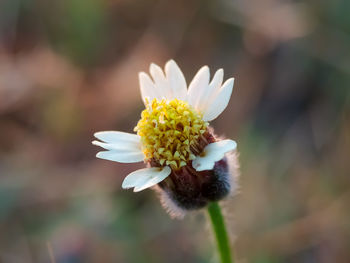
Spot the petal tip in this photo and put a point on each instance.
(171, 66)
(97, 134)
(142, 74)
(125, 186)
(170, 61)
(230, 81)
(153, 66)
(234, 145)
(136, 190)
(98, 155)
(95, 142)
(206, 69)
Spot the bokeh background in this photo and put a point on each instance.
(68, 68)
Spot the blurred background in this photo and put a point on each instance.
(69, 68)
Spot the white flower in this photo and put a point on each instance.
(173, 126)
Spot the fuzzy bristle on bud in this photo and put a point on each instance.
(190, 189)
(187, 189)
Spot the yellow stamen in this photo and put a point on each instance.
(168, 129)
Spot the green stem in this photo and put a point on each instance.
(217, 221)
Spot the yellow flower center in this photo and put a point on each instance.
(168, 131)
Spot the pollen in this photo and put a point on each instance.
(169, 131)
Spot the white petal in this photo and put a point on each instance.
(123, 147)
(147, 87)
(145, 178)
(120, 146)
(220, 102)
(160, 81)
(117, 136)
(176, 80)
(212, 153)
(121, 156)
(198, 86)
(212, 90)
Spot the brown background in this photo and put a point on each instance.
(69, 68)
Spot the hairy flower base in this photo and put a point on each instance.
(190, 189)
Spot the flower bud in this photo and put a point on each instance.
(186, 189)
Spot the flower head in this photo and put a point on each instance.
(170, 132)
(186, 162)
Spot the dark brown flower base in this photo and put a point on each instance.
(190, 189)
(187, 189)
